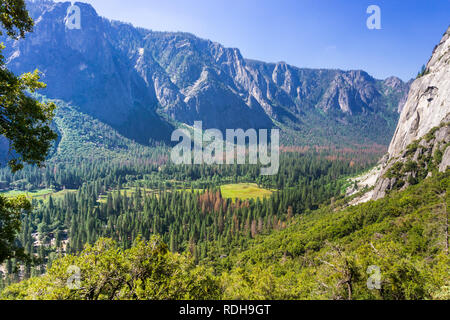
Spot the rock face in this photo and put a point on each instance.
(423, 134)
(428, 101)
(136, 79)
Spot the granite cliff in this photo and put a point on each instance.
(421, 140)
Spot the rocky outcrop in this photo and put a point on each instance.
(349, 92)
(428, 100)
(420, 143)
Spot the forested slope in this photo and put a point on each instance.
(326, 254)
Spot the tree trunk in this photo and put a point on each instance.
(349, 287)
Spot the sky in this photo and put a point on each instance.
(304, 33)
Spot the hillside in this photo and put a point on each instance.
(84, 138)
(326, 254)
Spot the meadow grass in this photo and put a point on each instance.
(241, 191)
(244, 191)
(129, 191)
(36, 194)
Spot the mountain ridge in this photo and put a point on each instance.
(142, 81)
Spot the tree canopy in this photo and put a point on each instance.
(102, 271)
(14, 18)
(24, 122)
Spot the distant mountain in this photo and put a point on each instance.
(142, 82)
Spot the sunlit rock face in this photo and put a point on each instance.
(423, 133)
(428, 101)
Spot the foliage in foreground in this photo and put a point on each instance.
(148, 270)
(10, 214)
(24, 123)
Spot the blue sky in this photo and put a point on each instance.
(305, 33)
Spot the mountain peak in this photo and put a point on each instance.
(393, 82)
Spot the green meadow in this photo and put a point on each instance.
(40, 194)
(241, 191)
(244, 191)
